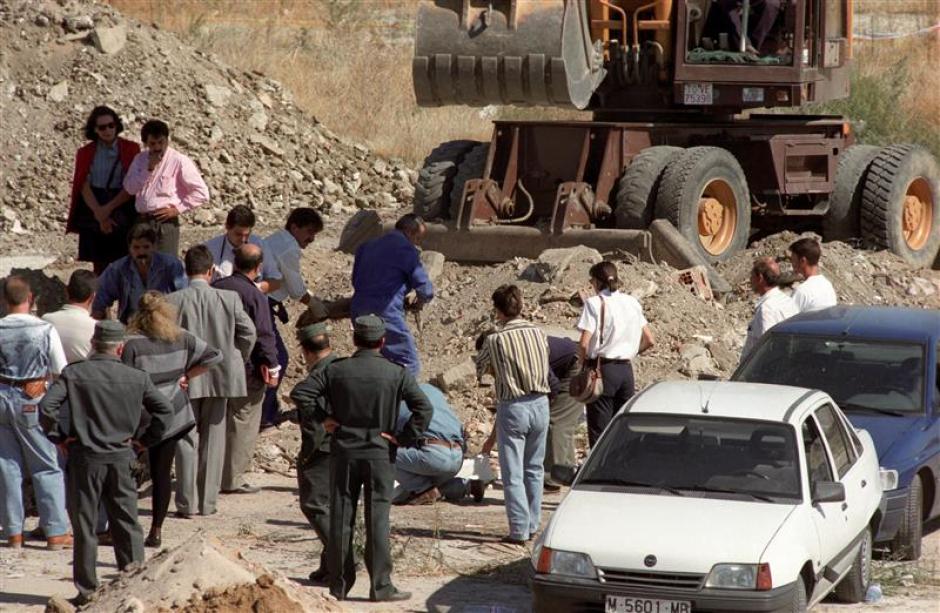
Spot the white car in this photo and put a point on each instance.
(715, 496)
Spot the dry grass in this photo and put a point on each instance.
(348, 63)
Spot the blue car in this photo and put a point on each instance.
(881, 366)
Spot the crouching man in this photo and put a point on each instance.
(426, 470)
(106, 399)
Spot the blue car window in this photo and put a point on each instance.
(861, 375)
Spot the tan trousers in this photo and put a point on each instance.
(243, 419)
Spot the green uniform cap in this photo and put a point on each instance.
(312, 331)
(109, 331)
(369, 328)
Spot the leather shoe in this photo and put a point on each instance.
(153, 540)
(551, 486)
(477, 490)
(104, 539)
(80, 600)
(395, 596)
(181, 515)
(61, 541)
(320, 575)
(244, 488)
(512, 541)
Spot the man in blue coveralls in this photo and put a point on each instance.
(386, 269)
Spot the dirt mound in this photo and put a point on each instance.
(62, 58)
(200, 575)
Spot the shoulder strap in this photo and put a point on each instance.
(600, 340)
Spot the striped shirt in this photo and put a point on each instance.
(166, 362)
(517, 354)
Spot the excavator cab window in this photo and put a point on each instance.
(716, 33)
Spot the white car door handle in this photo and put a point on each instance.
(864, 483)
(845, 506)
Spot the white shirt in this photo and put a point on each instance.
(57, 359)
(814, 294)
(772, 308)
(286, 251)
(75, 327)
(223, 255)
(623, 325)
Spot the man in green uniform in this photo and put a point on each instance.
(313, 462)
(105, 402)
(362, 394)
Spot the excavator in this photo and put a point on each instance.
(691, 122)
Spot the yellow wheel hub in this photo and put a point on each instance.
(917, 214)
(717, 217)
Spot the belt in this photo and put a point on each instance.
(441, 442)
(614, 361)
(151, 217)
(20, 383)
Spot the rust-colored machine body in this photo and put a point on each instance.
(672, 86)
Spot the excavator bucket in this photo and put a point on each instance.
(522, 52)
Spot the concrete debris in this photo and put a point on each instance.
(457, 377)
(922, 287)
(433, 262)
(58, 92)
(110, 40)
(553, 263)
(217, 95)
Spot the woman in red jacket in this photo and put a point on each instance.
(100, 211)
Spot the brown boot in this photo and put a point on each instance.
(62, 541)
(15, 541)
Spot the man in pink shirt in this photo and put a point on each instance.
(166, 183)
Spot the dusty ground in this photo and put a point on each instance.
(447, 555)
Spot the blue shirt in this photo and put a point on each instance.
(385, 270)
(106, 158)
(120, 281)
(444, 423)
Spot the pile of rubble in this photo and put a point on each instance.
(63, 57)
(199, 576)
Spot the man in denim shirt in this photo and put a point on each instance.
(126, 279)
(30, 351)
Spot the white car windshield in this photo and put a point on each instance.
(688, 455)
(860, 375)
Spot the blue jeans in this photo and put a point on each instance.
(417, 470)
(521, 430)
(24, 448)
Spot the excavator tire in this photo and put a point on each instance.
(471, 167)
(843, 220)
(636, 191)
(704, 194)
(901, 204)
(432, 198)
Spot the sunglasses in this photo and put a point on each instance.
(104, 126)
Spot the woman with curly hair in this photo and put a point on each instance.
(101, 211)
(171, 356)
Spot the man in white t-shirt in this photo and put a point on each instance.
(73, 321)
(815, 292)
(773, 306)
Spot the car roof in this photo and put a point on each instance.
(732, 399)
(875, 322)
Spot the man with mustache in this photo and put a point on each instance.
(166, 183)
(126, 279)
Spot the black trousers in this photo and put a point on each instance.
(619, 387)
(313, 484)
(90, 482)
(375, 477)
(161, 461)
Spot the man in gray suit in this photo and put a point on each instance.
(217, 317)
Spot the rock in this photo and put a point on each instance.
(58, 604)
(267, 145)
(553, 263)
(363, 226)
(58, 92)
(457, 377)
(79, 23)
(110, 40)
(132, 605)
(645, 292)
(921, 287)
(696, 361)
(433, 262)
(204, 216)
(216, 95)
(41, 20)
(258, 120)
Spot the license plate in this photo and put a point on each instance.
(627, 604)
(697, 93)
